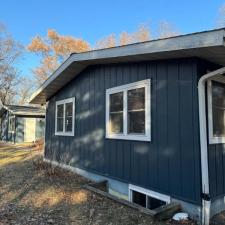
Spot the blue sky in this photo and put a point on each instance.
(93, 20)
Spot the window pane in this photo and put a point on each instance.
(136, 122)
(218, 94)
(139, 198)
(116, 123)
(69, 124)
(69, 117)
(60, 110)
(218, 122)
(60, 124)
(69, 109)
(136, 99)
(116, 102)
(218, 108)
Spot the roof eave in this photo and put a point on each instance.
(182, 46)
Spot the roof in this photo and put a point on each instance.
(207, 45)
(23, 110)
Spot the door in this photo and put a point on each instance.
(29, 129)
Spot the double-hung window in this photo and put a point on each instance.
(64, 117)
(216, 110)
(128, 111)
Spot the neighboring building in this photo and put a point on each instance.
(21, 123)
(148, 117)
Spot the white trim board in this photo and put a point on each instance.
(213, 139)
(63, 102)
(124, 88)
(149, 193)
(149, 50)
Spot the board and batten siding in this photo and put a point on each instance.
(170, 163)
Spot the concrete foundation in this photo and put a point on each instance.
(217, 206)
(120, 190)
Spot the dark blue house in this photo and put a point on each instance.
(21, 123)
(148, 117)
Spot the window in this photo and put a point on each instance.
(128, 111)
(64, 124)
(11, 124)
(216, 110)
(146, 198)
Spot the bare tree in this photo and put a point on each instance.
(142, 34)
(24, 90)
(125, 38)
(106, 42)
(166, 30)
(10, 50)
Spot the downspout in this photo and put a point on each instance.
(206, 201)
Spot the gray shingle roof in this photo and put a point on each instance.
(23, 110)
(208, 45)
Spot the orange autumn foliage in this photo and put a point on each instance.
(53, 50)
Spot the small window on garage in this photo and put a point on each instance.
(146, 198)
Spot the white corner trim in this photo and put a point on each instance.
(213, 139)
(63, 102)
(149, 193)
(124, 88)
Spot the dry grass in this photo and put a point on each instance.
(32, 192)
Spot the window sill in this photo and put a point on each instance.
(129, 137)
(217, 140)
(64, 134)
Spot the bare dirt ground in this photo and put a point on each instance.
(32, 193)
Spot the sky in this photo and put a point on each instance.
(92, 20)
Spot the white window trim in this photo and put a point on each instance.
(63, 102)
(124, 88)
(213, 139)
(149, 193)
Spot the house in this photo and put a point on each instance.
(148, 117)
(21, 123)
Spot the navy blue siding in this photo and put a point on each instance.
(170, 163)
(19, 129)
(40, 128)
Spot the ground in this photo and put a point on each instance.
(33, 193)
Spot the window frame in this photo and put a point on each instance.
(125, 88)
(213, 139)
(148, 193)
(11, 125)
(64, 102)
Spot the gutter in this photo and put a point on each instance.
(206, 201)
